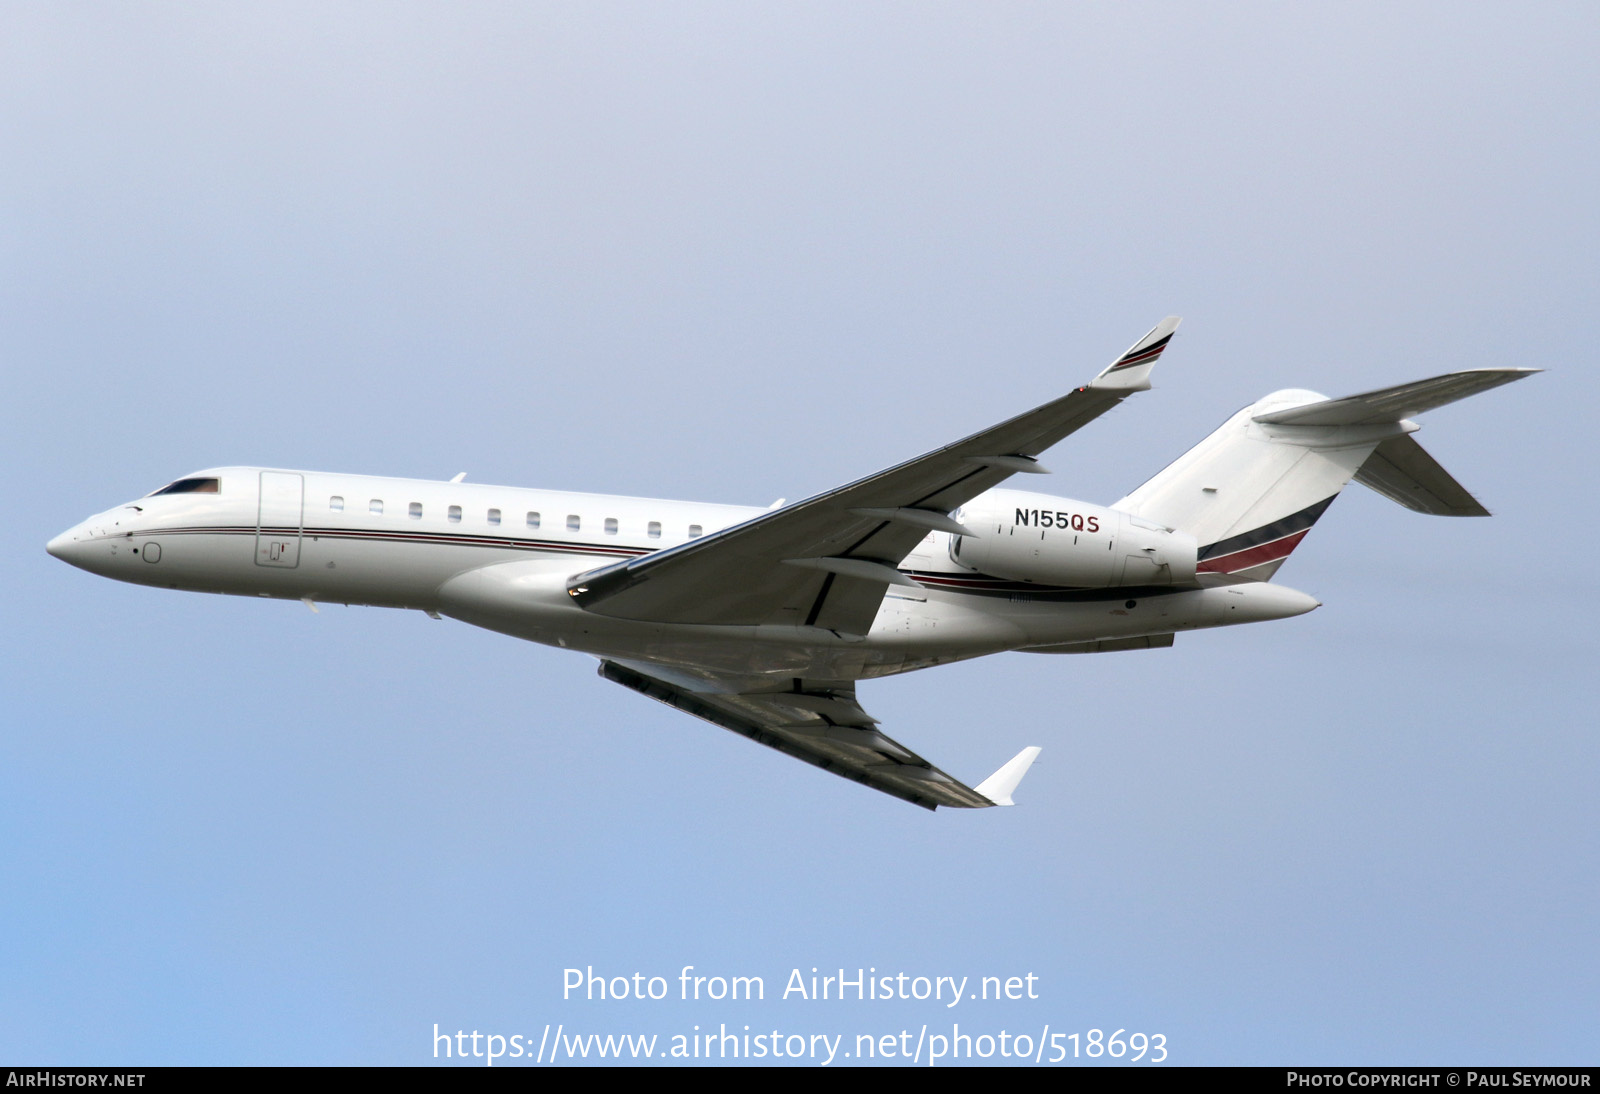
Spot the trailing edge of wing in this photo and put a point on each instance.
(823, 725)
(855, 567)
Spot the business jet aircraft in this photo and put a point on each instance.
(762, 621)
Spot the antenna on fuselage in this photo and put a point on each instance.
(458, 476)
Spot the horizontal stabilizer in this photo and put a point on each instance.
(999, 787)
(1402, 471)
(1391, 404)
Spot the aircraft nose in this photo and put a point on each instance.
(69, 546)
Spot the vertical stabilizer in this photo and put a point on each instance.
(1251, 491)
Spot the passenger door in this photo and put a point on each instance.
(279, 519)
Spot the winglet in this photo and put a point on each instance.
(1131, 371)
(999, 787)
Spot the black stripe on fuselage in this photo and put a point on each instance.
(1278, 529)
(457, 539)
(971, 583)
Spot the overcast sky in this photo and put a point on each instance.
(743, 251)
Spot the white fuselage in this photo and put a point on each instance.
(500, 557)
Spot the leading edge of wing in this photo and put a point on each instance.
(826, 727)
(754, 568)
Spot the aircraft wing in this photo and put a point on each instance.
(825, 561)
(822, 724)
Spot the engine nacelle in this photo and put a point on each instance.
(1055, 541)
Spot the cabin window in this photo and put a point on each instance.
(416, 510)
(375, 507)
(189, 486)
(455, 514)
(533, 520)
(573, 523)
(336, 503)
(654, 529)
(494, 516)
(695, 531)
(611, 526)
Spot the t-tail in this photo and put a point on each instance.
(1251, 491)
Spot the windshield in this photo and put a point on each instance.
(188, 486)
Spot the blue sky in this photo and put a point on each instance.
(737, 252)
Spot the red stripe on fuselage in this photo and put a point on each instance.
(1252, 556)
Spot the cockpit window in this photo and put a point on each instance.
(188, 486)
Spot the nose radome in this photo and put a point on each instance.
(60, 545)
(71, 546)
